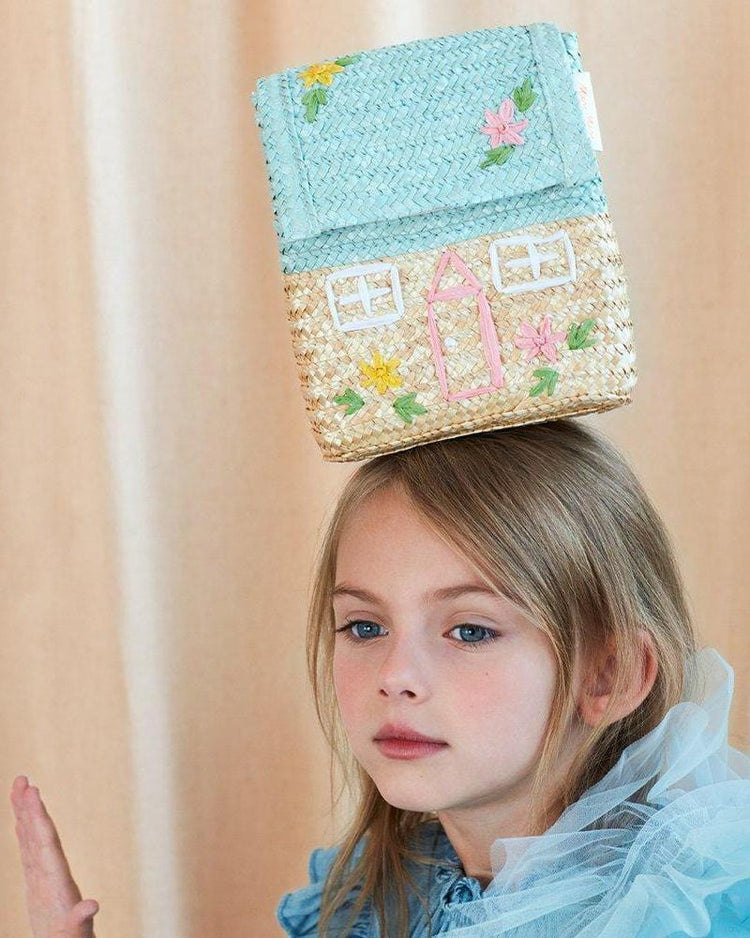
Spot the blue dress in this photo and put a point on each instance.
(658, 848)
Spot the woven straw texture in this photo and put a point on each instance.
(336, 366)
(398, 134)
(446, 250)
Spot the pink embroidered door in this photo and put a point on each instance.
(464, 341)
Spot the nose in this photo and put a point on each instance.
(402, 672)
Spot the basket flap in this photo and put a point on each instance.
(422, 126)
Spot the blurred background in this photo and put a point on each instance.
(161, 493)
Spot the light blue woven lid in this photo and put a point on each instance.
(399, 132)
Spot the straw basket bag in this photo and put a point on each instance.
(447, 255)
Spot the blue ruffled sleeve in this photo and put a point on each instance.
(298, 912)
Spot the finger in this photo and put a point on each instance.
(28, 812)
(41, 849)
(26, 801)
(20, 784)
(35, 821)
(82, 915)
(35, 812)
(87, 908)
(47, 826)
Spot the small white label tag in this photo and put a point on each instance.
(588, 107)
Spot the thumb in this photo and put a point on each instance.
(86, 909)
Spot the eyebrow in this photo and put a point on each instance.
(445, 592)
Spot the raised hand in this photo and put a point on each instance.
(52, 897)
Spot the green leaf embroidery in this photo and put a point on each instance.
(498, 156)
(548, 380)
(578, 336)
(406, 406)
(352, 400)
(312, 99)
(523, 96)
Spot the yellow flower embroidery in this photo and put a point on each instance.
(315, 77)
(321, 72)
(380, 373)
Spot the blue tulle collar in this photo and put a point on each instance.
(673, 811)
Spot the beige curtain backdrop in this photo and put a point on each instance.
(161, 493)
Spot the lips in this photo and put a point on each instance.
(408, 748)
(401, 731)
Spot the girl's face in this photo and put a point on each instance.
(469, 669)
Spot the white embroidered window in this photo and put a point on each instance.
(353, 296)
(519, 266)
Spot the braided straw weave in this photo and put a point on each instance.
(443, 279)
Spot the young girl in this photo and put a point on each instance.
(504, 665)
(513, 596)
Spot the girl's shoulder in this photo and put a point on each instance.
(298, 911)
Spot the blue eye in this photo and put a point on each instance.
(349, 634)
(491, 635)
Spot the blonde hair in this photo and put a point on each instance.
(550, 515)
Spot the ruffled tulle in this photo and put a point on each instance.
(658, 848)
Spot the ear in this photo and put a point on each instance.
(593, 697)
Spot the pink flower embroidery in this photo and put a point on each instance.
(501, 128)
(542, 341)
